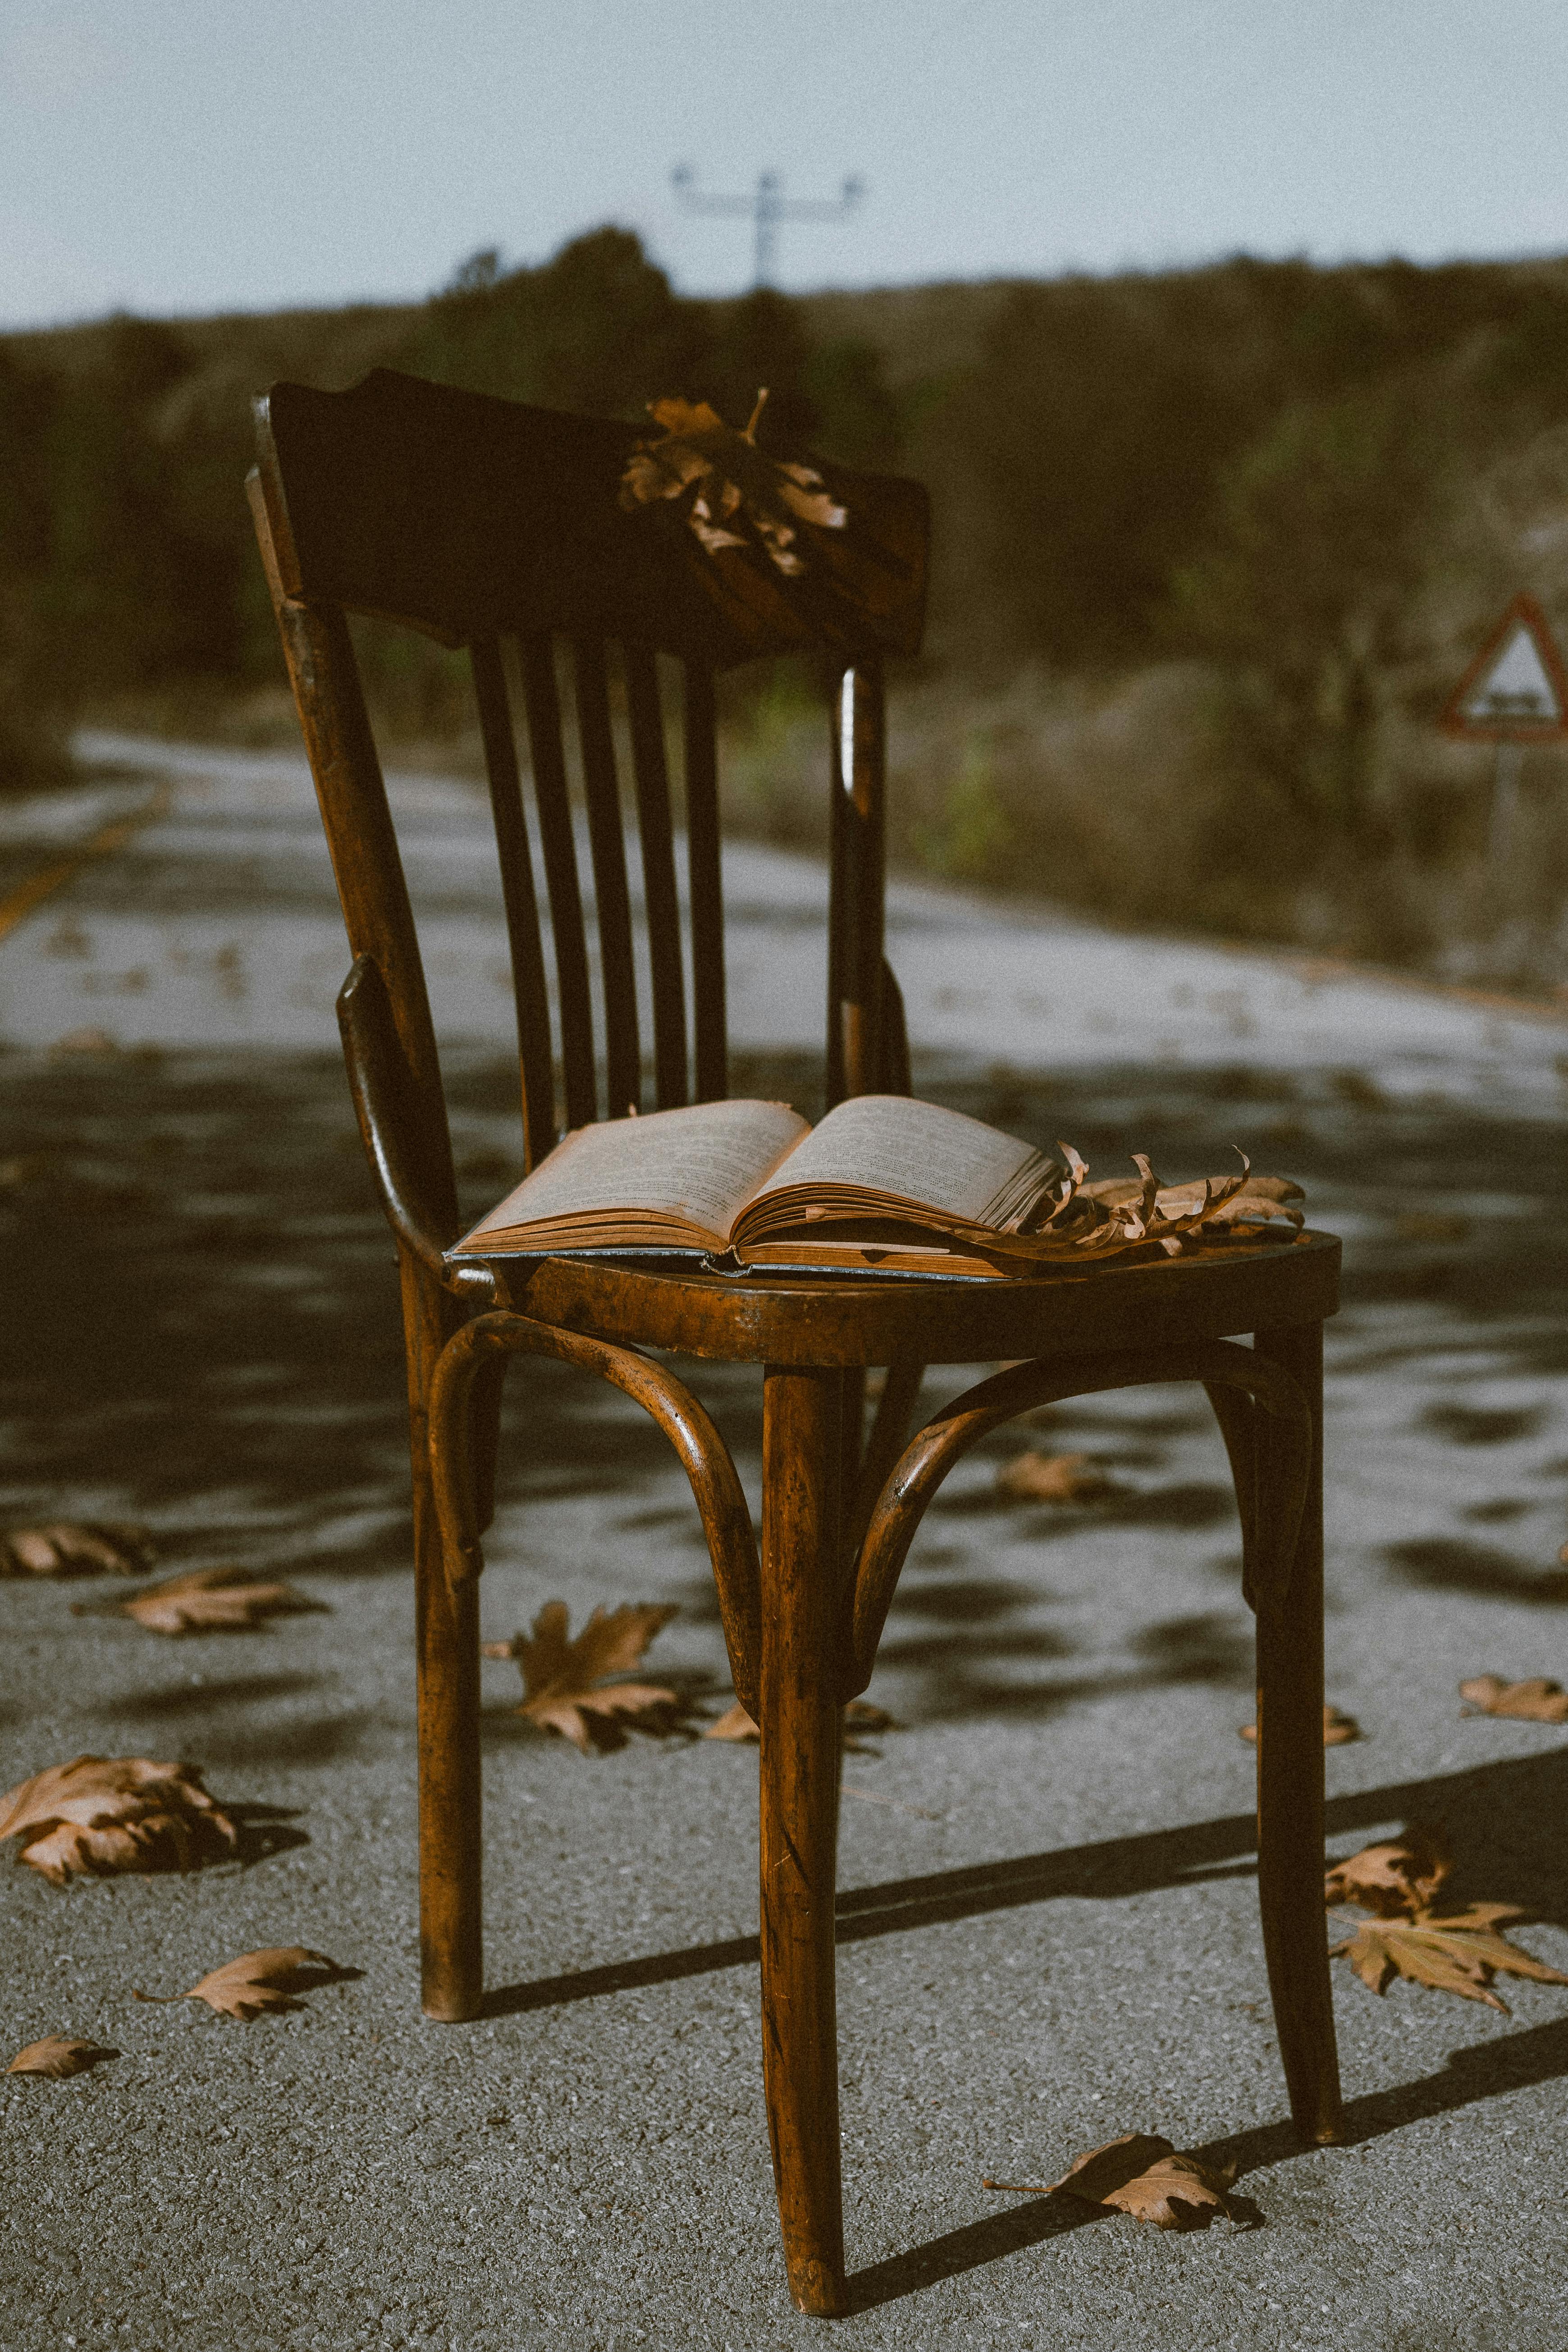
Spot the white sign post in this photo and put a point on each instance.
(1514, 693)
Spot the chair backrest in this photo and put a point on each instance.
(473, 520)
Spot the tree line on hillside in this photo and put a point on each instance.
(1297, 487)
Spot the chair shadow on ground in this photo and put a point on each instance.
(1502, 1822)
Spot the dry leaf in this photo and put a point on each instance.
(58, 2055)
(859, 1716)
(727, 492)
(99, 1815)
(214, 1600)
(78, 1548)
(1035, 1477)
(1537, 1701)
(1400, 1874)
(558, 1676)
(256, 1982)
(1338, 1730)
(1459, 1953)
(1143, 2174)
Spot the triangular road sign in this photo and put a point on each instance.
(1516, 689)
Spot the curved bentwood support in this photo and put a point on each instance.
(704, 1455)
(1235, 1371)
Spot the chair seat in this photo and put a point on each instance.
(811, 1320)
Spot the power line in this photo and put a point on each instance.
(765, 207)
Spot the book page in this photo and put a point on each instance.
(700, 1165)
(906, 1151)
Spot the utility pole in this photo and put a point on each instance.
(765, 207)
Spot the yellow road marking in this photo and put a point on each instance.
(19, 903)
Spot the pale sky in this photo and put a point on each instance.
(179, 157)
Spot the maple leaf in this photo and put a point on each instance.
(1035, 1477)
(256, 1982)
(99, 1815)
(212, 1600)
(78, 1548)
(1143, 2174)
(1338, 1729)
(1537, 1701)
(859, 1716)
(1401, 1874)
(729, 493)
(560, 1676)
(58, 2055)
(1459, 1953)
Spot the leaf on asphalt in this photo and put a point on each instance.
(78, 1548)
(1537, 1701)
(214, 1600)
(1338, 1729)
(1459, 1953)
(58, 2055)
(563, 1680)
(99, 1815)
(859, 1717)
(256, 1982)
(1143, 2175)
(1035, 1477)
(1399, 1874)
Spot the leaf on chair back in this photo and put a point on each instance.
(731, 493)
(563, 1680)
(1143, 2174)
(1035, 1477)
(1536, 1701)
(214, 1600)
(100, 1815)
(1401, 1874)
(1338, 1730)
(77, 1548)
(57, 2056)
(1459, 1953)
(256, 1982)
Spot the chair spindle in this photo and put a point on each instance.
(554, 806)
(607, 840)
(660, 898)
(700, 762)
(521, 902)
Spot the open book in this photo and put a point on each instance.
(883, 1183)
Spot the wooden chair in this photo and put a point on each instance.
(475, 520)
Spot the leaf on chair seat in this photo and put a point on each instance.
(100, 1815)
(1459, 1953)
(78, 1548)
(563, 1680)
(1401, 1874)
(1143, 2175)
(1536, 1701)
(59, 2055)
(1339, 1729)
(256, 1982)
(214, 1600)
(1035, 1477)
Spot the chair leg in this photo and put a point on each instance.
(446, 1645)
(1290, 1774)
(799, 1722)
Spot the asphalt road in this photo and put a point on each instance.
(1049, 1931)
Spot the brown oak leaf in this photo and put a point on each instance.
(561, 1677)
(1537, 1701)
(58, 2055)
(1338, 1729)
(1401, 1874)
(257, 1981)
(1143, 2174)
(1459, 1953)
(100, 1814)
(1035, 1477)
(78, 1548)
(214, 1600)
